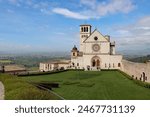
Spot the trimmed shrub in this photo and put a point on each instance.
(128, 76)
(75, 69)
(41, 73)
(47, 85)
(108, 69)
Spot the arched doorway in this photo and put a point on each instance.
(95, 62)
(98, 62)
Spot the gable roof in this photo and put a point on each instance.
(93, 33)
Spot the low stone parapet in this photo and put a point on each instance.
(139, 71)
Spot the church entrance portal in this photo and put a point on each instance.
(95, 61)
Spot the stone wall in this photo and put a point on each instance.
(1, 91)
(140, 71)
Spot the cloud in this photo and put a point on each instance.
(31, 4)
(115, 6)
(90, 3)
(94, 9)
(68, 13)
(135, 35)
(82, 10)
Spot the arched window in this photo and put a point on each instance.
(82, 29)
(77, 64)
(119, 65)
(86, 29)
(105, 65)
(73, 64)
(73, 54)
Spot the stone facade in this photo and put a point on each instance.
(96, 51)
(57, 65)
(140, 71)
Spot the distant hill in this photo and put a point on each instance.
(142, 59)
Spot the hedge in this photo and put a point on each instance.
(143, 84)
(41, 73)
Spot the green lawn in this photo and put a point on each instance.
(92, 85)
(18, 89)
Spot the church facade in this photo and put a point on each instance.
(96, 51)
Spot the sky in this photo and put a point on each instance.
(53, 25)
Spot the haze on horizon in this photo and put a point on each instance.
(53, 25)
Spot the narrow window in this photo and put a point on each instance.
(73, 54)
(82, 29)
(105, 65)
(86, 29)
(98, 63)
(119, 65)
(77, 64)
(48, 66)
(109, 65)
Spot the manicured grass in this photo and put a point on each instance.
(18, 89)
(94, 85)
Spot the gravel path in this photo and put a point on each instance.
(1, 91)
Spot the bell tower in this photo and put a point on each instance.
(85, 31)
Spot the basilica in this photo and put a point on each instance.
(95, 52)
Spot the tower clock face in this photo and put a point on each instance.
(96, 47)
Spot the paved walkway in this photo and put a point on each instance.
(1, 91)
